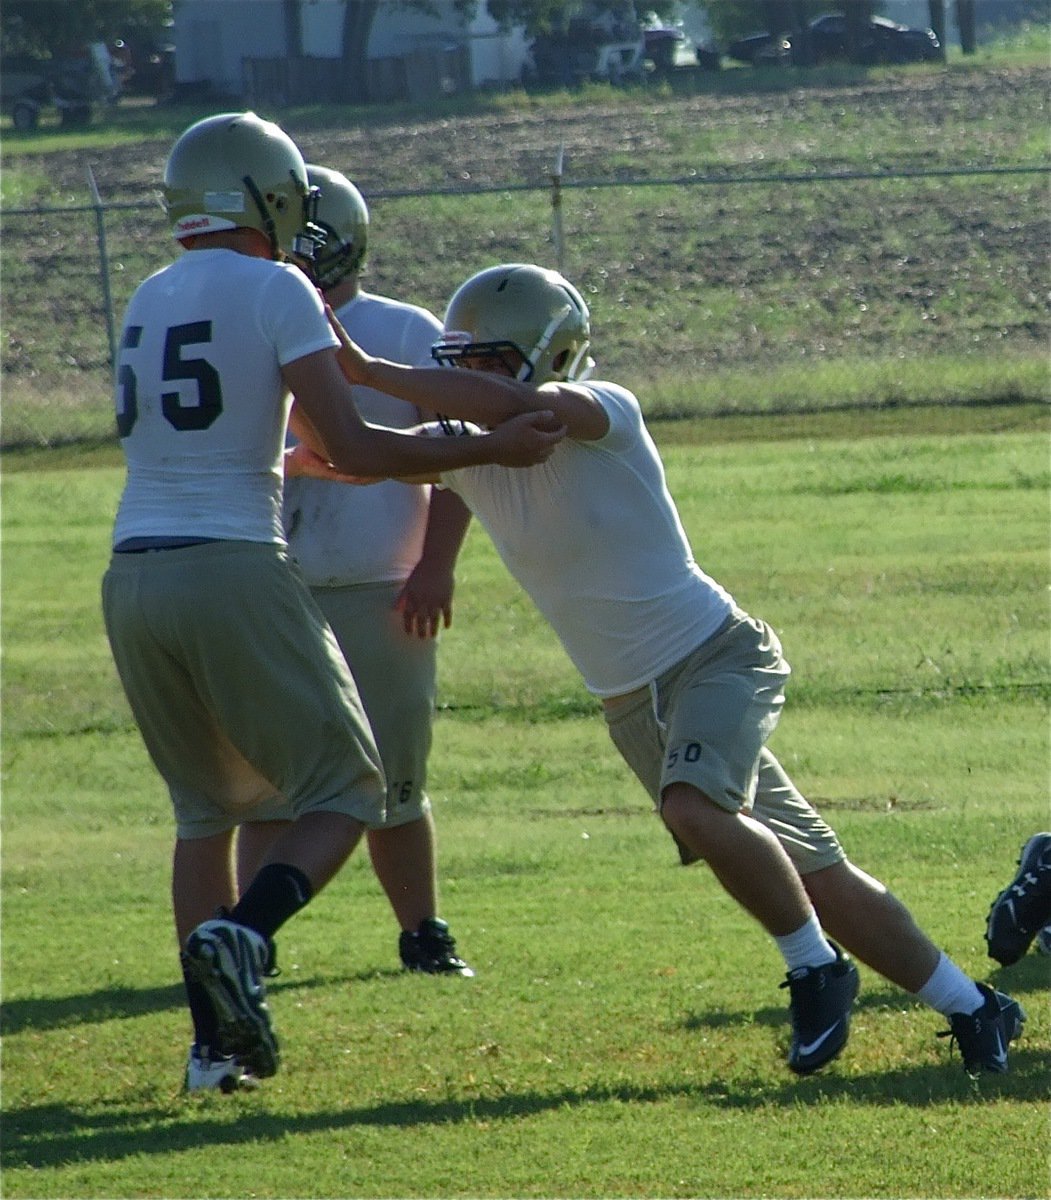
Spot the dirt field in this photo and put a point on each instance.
(648, 137)
(732, 276)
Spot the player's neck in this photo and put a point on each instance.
(344, 291)
(243, 241)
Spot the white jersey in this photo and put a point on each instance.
(594, 537)
(201, 405)
(342, 535)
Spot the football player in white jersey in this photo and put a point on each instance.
(691, 685)
(380, 563)
(231, 672)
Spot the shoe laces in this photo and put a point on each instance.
(965, 1027)
(806, 980)
(436, 934)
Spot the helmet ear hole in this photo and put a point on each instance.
(560, 360)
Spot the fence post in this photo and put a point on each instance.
(107, 297)
(556, 210)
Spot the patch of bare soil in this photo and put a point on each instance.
(626, 137)
(950, 266)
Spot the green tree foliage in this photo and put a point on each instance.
(54, 28)
(542, 16)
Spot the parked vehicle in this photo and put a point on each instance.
(661, 44)
(590, 46)
(74, 84)
(761, 50)
(28, 86)
(880, 41)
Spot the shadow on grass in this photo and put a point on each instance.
(120, 1003)
(1027, 981)
(52, 1135)
(1031, 975)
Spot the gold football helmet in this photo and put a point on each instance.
(523, 308)
(236, 170)
(344, 216)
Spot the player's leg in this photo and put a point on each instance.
(877, 928)
(395, 675)
(746, 858)
(274, 683)
(202, 884)
(192, 756)
(695, 742)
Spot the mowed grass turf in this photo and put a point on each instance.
(625, 1034)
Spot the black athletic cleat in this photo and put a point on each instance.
(229, 960)
(821, 999)
(983, 1036)
(432, 950)
(1023, 908)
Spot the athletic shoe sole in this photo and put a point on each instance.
(1009, 929)
(218, 958)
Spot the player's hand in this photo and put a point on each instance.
(302, 463)
(526, 439)
(426, 601)
(352, 359)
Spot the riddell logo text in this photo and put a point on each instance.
(194, 223)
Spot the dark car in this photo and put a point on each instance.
(880, 41)
(761, 50)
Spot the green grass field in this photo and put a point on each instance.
(625, 1034)
(884, 506)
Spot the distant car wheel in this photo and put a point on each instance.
(25, 115)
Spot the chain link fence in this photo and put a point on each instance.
(707, 294)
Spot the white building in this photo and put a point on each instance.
(236, 48)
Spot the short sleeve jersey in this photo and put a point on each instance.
(201, 406)
(595, 539)
(342, 535)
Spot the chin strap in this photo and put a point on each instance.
(528, 368)
(264, 213)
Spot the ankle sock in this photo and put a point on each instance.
(807, 947)
(278, 891)
(950, 991)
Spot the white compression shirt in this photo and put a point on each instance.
(595, 539)
(342, 534)
(201, 405)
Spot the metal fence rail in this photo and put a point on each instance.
(958, 254)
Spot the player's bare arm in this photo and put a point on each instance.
(485, 396)
(358, 449)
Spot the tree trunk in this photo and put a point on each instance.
(965, 18)
(358, 16)
(936, 8)
(854, 19)
(293, 28)
(776, 16)
(802, 47)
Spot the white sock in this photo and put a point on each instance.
(807, 947)
(950, 991)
